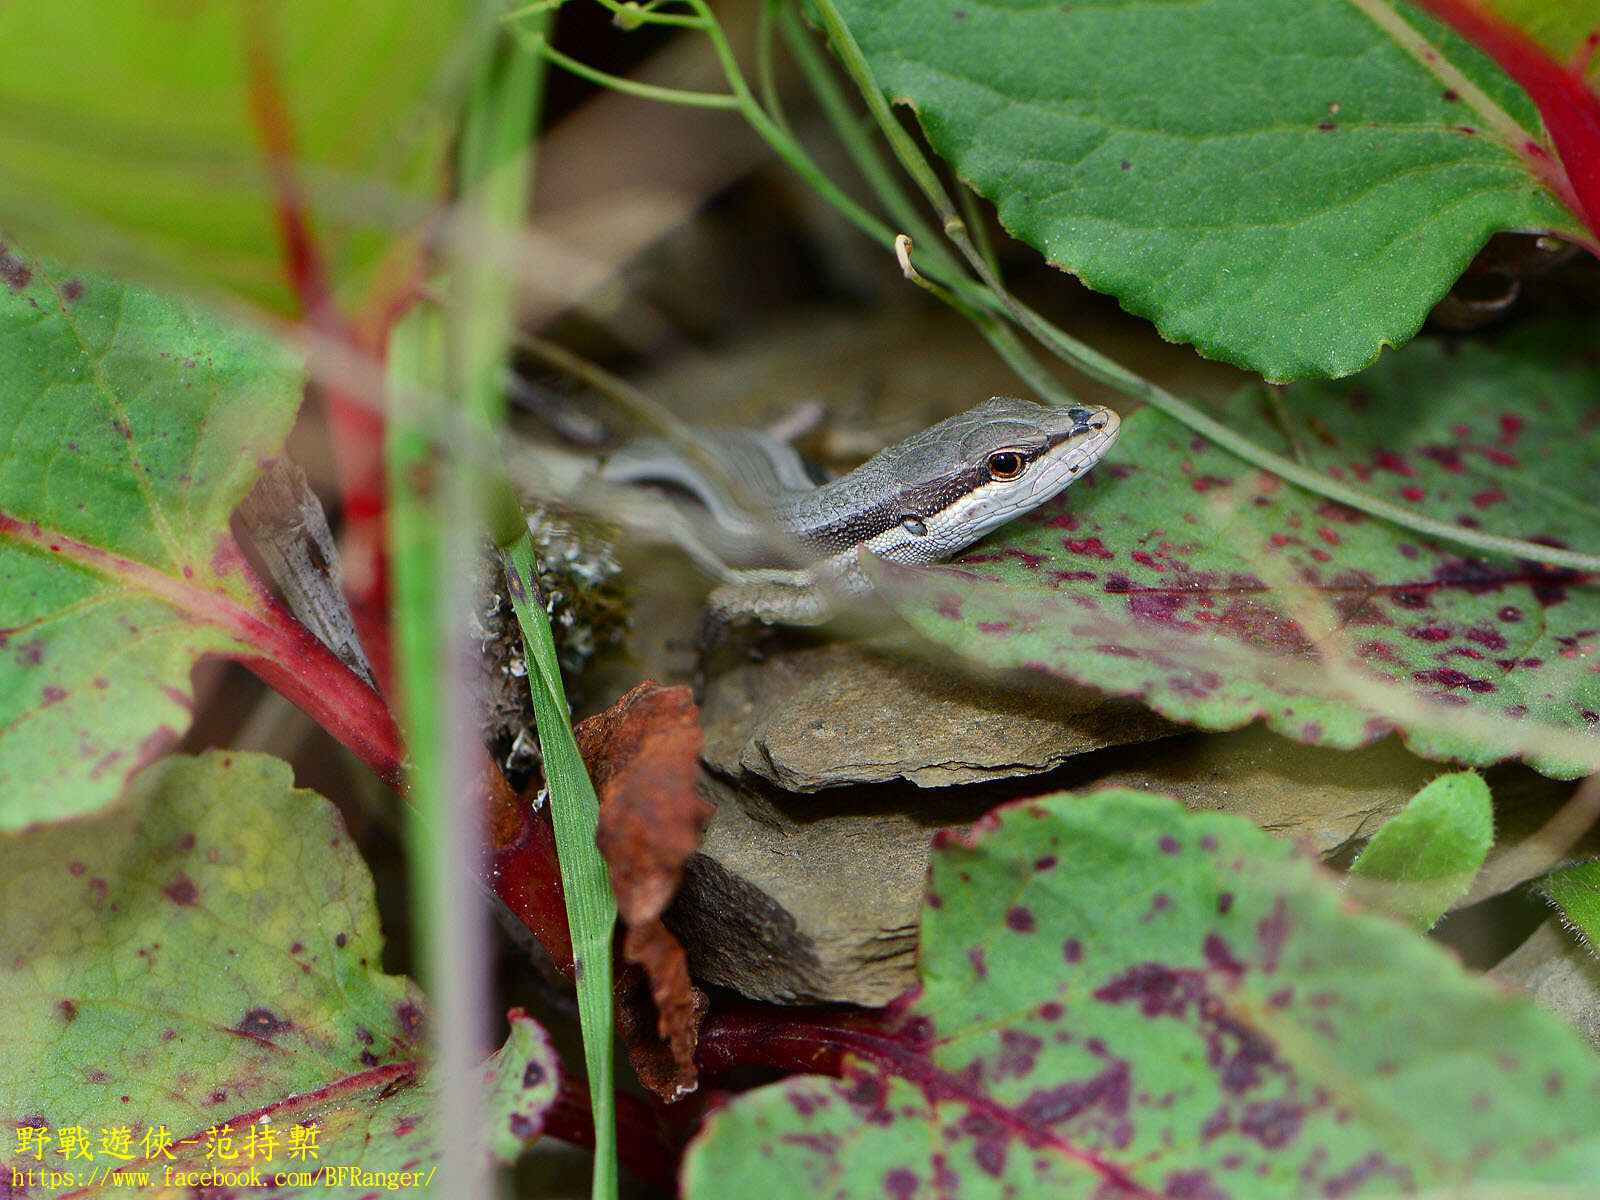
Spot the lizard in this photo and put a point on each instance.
(795, 554)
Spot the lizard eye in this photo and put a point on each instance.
(1006, 464)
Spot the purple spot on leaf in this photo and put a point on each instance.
(1019, 1052)
(1273, 1124)
(1220, 958)
(261, 1023)
(181, 890)
(1192, 1185)
(900, 1184)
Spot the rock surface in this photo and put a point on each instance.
(1560, 974)
(829, 715)
(798, 902)
(815, 898)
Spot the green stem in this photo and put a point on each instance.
(631, 16)
(999, 335)
(862, 150)
(494, 168)
(540, 45)
(972, 221)
(766, 70)
(875, 171)
(1108, 371)
(904, 146)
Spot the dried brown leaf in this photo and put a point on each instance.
(644, 756)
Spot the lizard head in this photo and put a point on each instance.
(970, 474)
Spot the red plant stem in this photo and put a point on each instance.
(348, 709)
(308, 274)
(523, 869)
(355, 421)
(641, 1145)
(304, 671)
(809, 1041)
(1570, 110)
(355, 426)
(287, 655)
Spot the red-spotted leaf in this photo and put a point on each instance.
(131, 425)
(1119, 999)
(201, 969)
(1288, 187)
(524, 1078)
(1217, 593)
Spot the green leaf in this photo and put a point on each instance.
(1289, 190)
(208, 955)
(1122, 999)
(162, 165)
(1575, 891)
(1217, 593)
(1424, 858)
(131, 425)
(585, 880)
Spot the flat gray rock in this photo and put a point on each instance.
(796, 902)
(815, 898)
(839, 714)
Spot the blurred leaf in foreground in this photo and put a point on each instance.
(172, 139)
(1122, 999)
